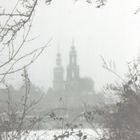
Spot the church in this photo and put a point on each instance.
(72, 90)
(73, 82)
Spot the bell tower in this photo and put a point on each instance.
(58, 76)
(73, 68)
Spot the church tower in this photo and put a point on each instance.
(73, 68)
(58, 77)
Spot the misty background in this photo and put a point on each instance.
(65, 69)
(110, 32)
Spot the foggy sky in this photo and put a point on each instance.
(112, 31)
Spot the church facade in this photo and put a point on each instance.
(72, 89)
(72, 82)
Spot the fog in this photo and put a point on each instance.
(110, 31)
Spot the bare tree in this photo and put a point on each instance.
(15, 27)
(19, 117)
(121, 119)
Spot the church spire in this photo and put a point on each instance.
(73, 55)
(58, 59)
(58, 77)
(73, 68)
(73, 47)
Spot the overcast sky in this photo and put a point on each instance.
(112, 31)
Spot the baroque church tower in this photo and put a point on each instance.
(72, 80)
(58, 79)
(72, 90)
(73, 68)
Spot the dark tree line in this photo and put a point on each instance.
(122, 119)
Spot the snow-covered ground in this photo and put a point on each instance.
(77, 134)
(52, 135)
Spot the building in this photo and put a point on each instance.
(58, 75)
(72, 82)
(70, 90)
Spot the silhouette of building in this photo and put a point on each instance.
(73, 82)
(71, 89)
(73, 77)
(73, 68)
(58, 75)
